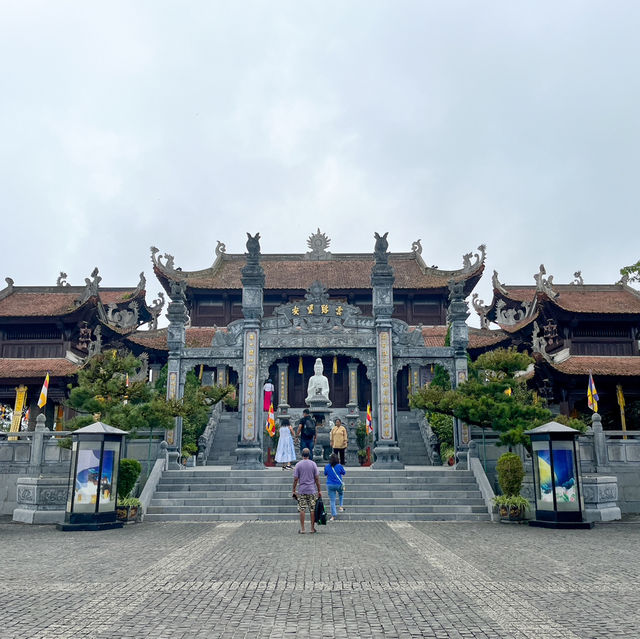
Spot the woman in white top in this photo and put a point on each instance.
(286, 452)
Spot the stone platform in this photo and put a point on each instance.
(365, 580)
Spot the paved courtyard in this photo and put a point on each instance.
(350, 580)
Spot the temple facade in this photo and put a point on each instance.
(363, 315)
(379, 322)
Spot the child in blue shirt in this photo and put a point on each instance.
(335, 486)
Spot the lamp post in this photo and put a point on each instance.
(556, 477)
(93, 478)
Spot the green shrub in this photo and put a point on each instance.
(128, 474)
(442, 426)
(510, 474)
(189, 449)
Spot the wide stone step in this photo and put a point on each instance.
(344, 517)
(289, 507)
(169, 502)
(449, 496)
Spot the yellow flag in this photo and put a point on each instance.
(620, 395)
(335, 364)
(44, 392)
(300, 368)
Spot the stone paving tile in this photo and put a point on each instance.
(436, 580)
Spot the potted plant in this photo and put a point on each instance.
(189, 451)
(127, 507)
(511, 505)
(363, 440)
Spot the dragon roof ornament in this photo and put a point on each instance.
(545, 284)
(578, 281)
(481, 310)
(497, 286)
(169, 262)
(468, 265)
(62, 279)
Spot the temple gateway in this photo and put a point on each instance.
(363, 315)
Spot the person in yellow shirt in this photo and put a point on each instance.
(339, 440)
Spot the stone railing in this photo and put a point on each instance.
(206, 439)
(431, 443)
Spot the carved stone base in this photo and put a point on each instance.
(248, 458)
(41, 500)
(600, 493)
(174, 460)
(387, 458)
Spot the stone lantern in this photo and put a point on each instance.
(556, 477)
(93, 478)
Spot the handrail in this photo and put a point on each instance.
(206, 439)
(151, 484)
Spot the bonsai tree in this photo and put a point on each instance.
(510, 475)
(493, 397)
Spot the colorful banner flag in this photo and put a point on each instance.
(592, 395)
(21, 400)
(271, 422)
(620, 395)
(44, 392)
(369, 421)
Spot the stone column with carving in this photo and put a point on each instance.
(176, 331)
(283, 389)
(249, 451)
(387, 451)
(222, 375)
(458, 313)
(352, 405)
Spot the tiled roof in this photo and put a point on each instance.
(52, 301)
(196, 337)
(36, 368)
(43, 303)
(483, 337)
(352, 271)
(478, 337)
(586, 298)
(434, 335)
(583, 364)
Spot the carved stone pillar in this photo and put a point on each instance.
(222, 375)
(387, 451)
(353, 387)
(283, 389)
(249, 451)
(414, 378)
(177, 315)
(457, 316)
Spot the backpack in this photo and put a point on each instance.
(320, 513)
(308, 428)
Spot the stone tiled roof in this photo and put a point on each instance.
(196, 337)
(583, 364)
(586, 298)
(36, 368)
(342, 271)
(478, 337)
(55, 301)
(29, 302)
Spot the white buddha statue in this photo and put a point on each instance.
(318, 385)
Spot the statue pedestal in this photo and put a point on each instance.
(387, 458)
(248, 457)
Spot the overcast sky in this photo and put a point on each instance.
(176, 124)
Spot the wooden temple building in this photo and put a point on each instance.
(572, 329)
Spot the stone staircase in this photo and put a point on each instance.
(225, 441)
(412, 449)
(210, 494)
